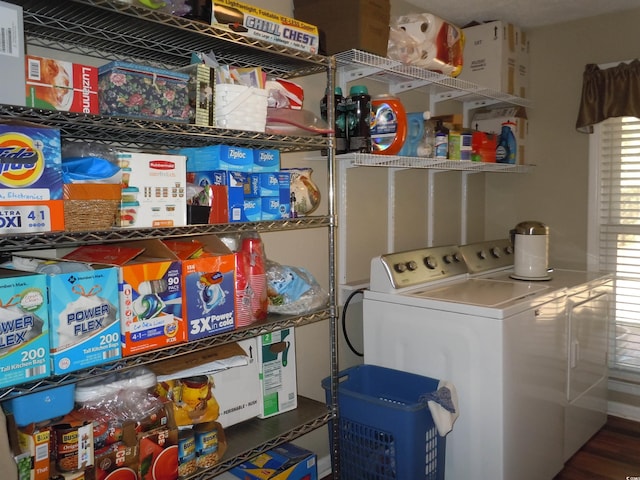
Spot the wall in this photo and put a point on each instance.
(556, 192)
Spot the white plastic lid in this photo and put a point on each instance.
(95, 389)
(426, 115)
(140, 377)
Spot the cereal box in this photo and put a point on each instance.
(24, 327)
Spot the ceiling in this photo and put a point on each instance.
(523, 13)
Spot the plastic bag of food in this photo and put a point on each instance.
(426, 41)
(293, 290)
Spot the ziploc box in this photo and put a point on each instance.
(277, 366)
(266, 160)
(208, 284)
(61, 85)
(30, 179)
(262, 24)
(150, 292)
(155, 190)
(284, 462)
(24, 327)
(237, 186)
(218, 157)
(83, 312)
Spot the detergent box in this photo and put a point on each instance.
(277, 366)
(218, 157)
(262, 24)
(155, 190)
(30, 179)
(60, 85)
(284, 462)
(24, 327)
(150, 292)
(83, 311)
(208, 284)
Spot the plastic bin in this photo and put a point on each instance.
(385, 430)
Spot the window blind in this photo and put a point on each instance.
(619, 232)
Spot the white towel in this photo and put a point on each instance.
(443, 405)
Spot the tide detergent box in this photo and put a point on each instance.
(208, 284)
(59, 85)
(24, 327)
(150, 292)
(30, 179)
(83, 312)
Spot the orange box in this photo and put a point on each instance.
(208, 285)
(38, 444)
(61, 85)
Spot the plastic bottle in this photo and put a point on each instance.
(359, 119)
(415, 132)
(388, 125)
(339, 116)
(441, 141)
(506, 149)
(428, 141)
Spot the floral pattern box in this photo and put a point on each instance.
(128, 89)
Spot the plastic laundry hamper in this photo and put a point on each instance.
(385, 430)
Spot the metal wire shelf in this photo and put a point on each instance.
(356, 64)
(113, 30)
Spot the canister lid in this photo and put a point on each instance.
(531, 227)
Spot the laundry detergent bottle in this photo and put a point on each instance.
(388, 125)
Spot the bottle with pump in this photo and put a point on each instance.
(426, 148)
(340, 121)
(441, 141)
(359, 119)
(507, 148)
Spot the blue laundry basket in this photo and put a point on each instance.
(385, 431)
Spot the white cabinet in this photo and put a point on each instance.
(113, 30)
(589, 320)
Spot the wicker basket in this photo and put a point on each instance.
(87, 215)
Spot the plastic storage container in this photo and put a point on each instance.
(385, 430)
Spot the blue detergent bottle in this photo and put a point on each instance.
(507, 148)
(415, 132)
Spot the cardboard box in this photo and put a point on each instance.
(234, 370)
(59, 85)
(218, 157)
(83, 313)
(12, 54)
(265, 161)
(154, 193)
(496, 56)
(150, 292)
(285, 462)
(139, 91)
(30, 179)
(491, 120)
(24, 332)
(208, 285)
(277, 365)
(236, 186)
(158, 453)
(356, 24)
(262, 24)
(37, 443)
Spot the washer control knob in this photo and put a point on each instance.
(448, 258)
(508, 250)
(400, 267)
(430, 262)
(412, 265)
(495, 252)
(482, 254)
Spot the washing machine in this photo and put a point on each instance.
(454, 313)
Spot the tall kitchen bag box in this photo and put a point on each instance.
(492, 55)
(277, 367)
(12, 54)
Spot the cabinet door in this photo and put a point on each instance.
(587, 367)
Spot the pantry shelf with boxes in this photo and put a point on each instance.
(145, 314)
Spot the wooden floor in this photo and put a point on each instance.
(612, 454)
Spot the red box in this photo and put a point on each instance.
(60, 85)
